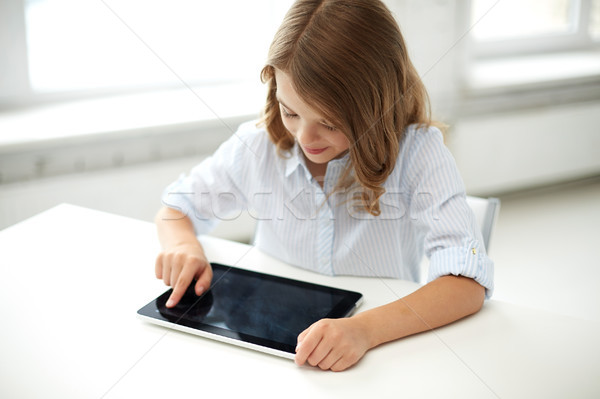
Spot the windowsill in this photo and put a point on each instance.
(112, 132)
(127, 116)
(156, 113)
(533, 71)
(497, 85)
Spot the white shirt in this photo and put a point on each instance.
(423, 211)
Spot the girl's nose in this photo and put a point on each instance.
(307, 134)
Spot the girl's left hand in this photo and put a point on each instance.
(332, 344)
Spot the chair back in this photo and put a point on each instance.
(486, 212)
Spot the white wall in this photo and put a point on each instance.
(527, 148)
(132, 191)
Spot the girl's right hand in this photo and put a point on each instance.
(179, 266)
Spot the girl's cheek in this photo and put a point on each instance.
(342, 141)
(289, 126)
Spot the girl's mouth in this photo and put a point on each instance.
(314, 151)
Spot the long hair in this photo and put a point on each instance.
(348, 59)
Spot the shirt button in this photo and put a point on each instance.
(474, 251)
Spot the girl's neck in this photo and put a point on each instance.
(317, 170)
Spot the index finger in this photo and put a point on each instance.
(183, 282)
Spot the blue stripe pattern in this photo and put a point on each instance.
(423, 211)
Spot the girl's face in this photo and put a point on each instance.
(319, 139)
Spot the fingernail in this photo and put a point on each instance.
(170, 303)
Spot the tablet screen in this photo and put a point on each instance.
(254, 307)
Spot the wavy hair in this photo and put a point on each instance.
(348, 59)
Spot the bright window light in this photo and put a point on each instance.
(78, 45)
(509, 19)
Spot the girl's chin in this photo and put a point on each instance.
(322, 157)
(317, 158)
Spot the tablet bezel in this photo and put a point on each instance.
(344, 308)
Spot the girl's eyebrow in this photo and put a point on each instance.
(281, 102)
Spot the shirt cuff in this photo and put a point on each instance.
(468, 261)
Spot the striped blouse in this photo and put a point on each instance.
(423, 210)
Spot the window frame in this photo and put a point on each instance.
(14, 80)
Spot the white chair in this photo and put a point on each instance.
(486, 212)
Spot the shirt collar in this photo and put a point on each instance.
(296, 161)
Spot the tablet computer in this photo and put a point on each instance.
(251, 309)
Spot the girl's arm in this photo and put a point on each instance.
(182, 258)
(337, 344)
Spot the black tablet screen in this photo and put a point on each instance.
(254, 307)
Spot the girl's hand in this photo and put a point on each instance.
(179, 265)
(333, 344)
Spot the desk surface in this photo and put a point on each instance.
(72, 280)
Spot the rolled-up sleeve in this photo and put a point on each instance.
(452, 238)
(469, 260)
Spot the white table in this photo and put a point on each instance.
(72, 280)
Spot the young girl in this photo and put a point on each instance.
(345, 175)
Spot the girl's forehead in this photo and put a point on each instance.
(287, 96)
(285, 84)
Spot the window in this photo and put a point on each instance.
(511, 27)
(77, 48)
(534, 45)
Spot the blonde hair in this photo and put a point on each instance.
(348, 59)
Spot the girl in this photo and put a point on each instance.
(345, 174)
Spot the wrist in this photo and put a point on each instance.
(368, 324)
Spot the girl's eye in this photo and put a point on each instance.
(287, 114)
